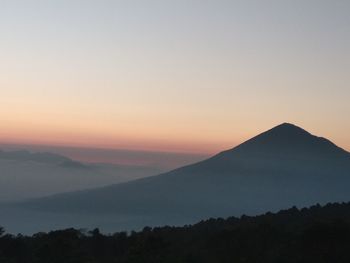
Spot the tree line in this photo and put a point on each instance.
(316, 234)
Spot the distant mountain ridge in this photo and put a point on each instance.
(25, 174)
(279, 168)
(41, 157)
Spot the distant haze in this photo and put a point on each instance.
(161, 160)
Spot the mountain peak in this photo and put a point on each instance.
(287, 125)
(290, 139)
(286, 130)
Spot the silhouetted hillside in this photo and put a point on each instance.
(316, 234)
(283, 167)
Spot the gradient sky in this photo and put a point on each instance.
(180, 75)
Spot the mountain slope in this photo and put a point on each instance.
(282, 167)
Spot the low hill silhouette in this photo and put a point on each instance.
(25, 174)
(40, 157)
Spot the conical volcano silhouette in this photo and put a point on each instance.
(288, 140)
(277, 169)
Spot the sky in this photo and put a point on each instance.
(177, 76)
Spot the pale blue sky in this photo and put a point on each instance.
(172, 75)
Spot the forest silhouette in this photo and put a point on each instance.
(316, 234)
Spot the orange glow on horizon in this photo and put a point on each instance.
(109, 75)
(110, 141)
(124, 140)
